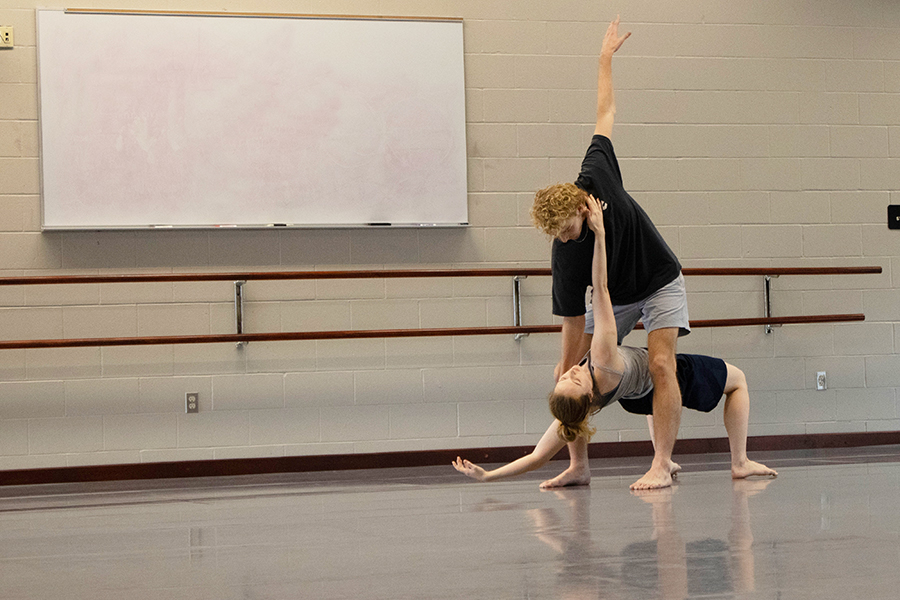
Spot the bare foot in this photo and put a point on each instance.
(570, 476)
(653, 479)
(750, 468)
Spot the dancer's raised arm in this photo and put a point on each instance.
(604, 341)
(606, 100)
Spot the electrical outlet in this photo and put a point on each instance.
(6, 37)
(821, 384)
(192, 402)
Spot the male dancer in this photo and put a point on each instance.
(645, 281)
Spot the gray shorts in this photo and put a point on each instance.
(667, 307)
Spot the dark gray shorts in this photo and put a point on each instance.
(667, 307)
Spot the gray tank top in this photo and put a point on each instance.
(634, 379)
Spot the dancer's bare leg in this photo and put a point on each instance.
(579, 471)
(737, 419)
(661, 345)
(674, 467)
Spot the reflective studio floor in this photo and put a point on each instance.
(827, 527)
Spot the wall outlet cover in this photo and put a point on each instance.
(6, 37)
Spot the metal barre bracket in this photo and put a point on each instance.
(517, 304)
(239, 309)
(768, 302)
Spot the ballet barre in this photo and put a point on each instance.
(519, 330)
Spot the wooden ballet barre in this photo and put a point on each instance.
(273, 276)
(776, 271)
(276, 336)
(401, 273)
(385, 333)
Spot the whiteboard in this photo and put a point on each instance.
(154, 120)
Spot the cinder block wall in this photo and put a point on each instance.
(754, 133)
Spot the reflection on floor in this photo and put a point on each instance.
(827, 527)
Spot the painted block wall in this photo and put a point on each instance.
(754, 133)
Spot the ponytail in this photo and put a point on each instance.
(570, 432)
(573, 413)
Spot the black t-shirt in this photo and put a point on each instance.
(639, 262)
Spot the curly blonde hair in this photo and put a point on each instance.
(573, 413)
(554, 204)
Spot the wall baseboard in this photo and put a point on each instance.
(422, 458)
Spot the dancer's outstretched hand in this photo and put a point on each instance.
(467, 468)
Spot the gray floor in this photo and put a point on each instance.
(827, 527)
